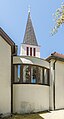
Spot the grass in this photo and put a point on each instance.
(25, 116)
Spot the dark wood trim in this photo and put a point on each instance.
(31, 65)
(12, 77)
(12, 80)
(30, 83)
(8, 40)
(21, 74)
(54, 84)
(6, 37)
(54, 92)
(48, 76)
(43, 75)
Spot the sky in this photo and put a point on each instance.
(13, 19)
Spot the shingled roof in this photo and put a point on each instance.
(29, 37)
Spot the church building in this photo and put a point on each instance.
(30, 73)
(29, 83)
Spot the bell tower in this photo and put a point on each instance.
(29, 47)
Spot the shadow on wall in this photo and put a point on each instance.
(27, 107)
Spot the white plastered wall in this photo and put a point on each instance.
(23, 50)
(5, 77)
(51, 93)
(59, 85)
(30, 98)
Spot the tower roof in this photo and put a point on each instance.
(29, 37)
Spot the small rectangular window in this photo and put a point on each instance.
(27, 50)
(30, 51)
(34, 52)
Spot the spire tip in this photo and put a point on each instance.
(29, 9)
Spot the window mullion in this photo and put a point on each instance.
(48, 71)
(43, 75)
(37, 74)
(21, 74)
(30, 73)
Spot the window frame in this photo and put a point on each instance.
(34, 52)
(27, 51)
(21, 76)
(30, 51)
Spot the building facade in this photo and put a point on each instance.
(7, 49)
(29, 83)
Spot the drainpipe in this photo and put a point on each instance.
(54, 85)
(12, 77)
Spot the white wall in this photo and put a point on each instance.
(30, 98)
(23, 50)
(5, 77)
(51, 93)
(59, 85)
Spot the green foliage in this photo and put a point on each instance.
(58, 18)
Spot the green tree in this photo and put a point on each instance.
(58, 18)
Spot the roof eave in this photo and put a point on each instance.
(8, 40)
(6, 37)
(55, 58)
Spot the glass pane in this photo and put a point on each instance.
(26, 74)
(33, 74)
(45, 77)
(17, 73)
(40, 75)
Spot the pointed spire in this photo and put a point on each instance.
(29, 37)
(28, 9)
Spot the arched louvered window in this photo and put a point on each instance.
(30, 51)
(27, 51)
(34, 52)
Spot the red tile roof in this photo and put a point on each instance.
(55, 55)
(58, 55)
